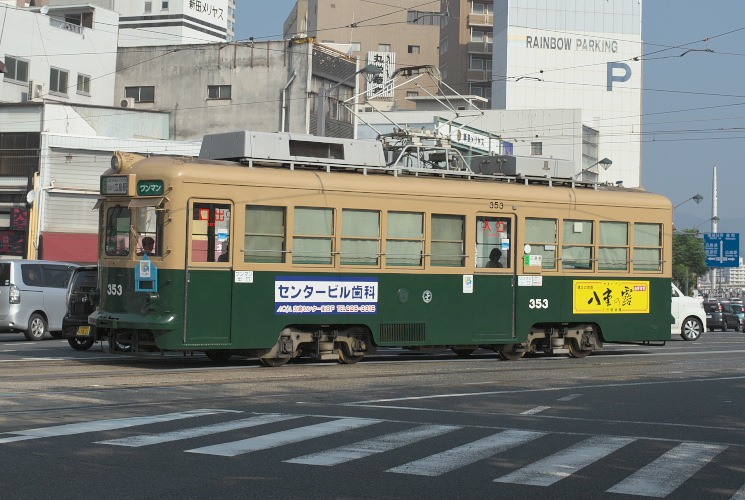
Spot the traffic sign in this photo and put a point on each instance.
(722, 249)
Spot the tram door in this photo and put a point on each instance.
(495, 270)
(208, 286)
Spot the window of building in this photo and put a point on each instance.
(264, 240)
(481, 36)
(148, 7)
(360, 237)
(614, 246)
(647, 247)
(443, 45)
(356, 46)
(16, 69)
(536, 148)
(482, 8)
(423, 18)
(140, 94)
(480, 63)
(414, 49)
(448, 236)
(58, 80)
(577, 241)
(313, 240)
(405, 241)
(411, 93)
(218, 91)
(84, 84)
(164, 5)
(384, 47)
(493, 241)
(541, 234)
(84, 19)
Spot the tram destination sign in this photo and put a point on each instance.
(722, 249)
(117, 184)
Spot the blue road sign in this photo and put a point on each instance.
(722, 249)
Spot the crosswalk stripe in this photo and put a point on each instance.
(105, 425)
(284, 437)
(664, 475)
(551, 469)
(436, 465)
(372, 446)
(166, 437)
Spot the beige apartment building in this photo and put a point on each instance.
(392, 37)
(466, 46)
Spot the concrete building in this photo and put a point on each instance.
(67, 55)
(392, 37)
(48, 188)
(555, 55)
(165, 22)
(262, 86)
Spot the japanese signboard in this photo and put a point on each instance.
(469, 137)
(381, 85)
(215, 10)
(319, 295)
(722, 249)
(610, 297)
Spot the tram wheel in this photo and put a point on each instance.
(346, 358)
(218, 355)
(274, 362)
(510, 352)
(80, 345)
(575, 351)
(463, 352)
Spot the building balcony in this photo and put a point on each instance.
(478, 75)
(480, 48)
(480, 20)
(59, 23)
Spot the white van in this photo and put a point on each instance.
(32, 296)
(689, 316)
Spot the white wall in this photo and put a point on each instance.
(31, 37)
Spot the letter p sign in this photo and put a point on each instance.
(616, 78)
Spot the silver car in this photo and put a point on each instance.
(32, 296)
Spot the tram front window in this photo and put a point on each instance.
(149, 231)
(118, 224)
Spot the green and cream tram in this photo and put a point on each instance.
(277, 246)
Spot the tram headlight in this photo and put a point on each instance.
(115, 163)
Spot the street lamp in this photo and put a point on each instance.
(605, 162)
(696, 197)
(323, 96)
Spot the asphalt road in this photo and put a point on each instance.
(626, 422)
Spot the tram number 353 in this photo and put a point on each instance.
(114, 289)
(538, 303)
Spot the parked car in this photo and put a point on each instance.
(689, 316)
(80, 304)
(719, 315)
(32, 296)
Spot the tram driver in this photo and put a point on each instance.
(148, 246)
(494, 257)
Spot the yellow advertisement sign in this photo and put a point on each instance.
(611, 297)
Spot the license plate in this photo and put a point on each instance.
(708, 315)
(84, 331)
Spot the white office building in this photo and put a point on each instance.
(554, 54)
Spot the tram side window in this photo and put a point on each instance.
(541, 234)
(576, 251)
(647, 247)
(313, 240)
(493, 241)
(614, 246)
(265, 234)
(448, 238)
(405, 242)
(118, 224)
(360, 237)
(150, 231)
(210, 233)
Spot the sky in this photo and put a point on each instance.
(693, 105)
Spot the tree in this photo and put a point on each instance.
(689, 258)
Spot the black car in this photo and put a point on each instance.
(80, 304)
(720, 315)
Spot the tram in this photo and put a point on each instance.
(278, 246)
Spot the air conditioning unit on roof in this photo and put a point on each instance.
(35, 90)
(127, 102)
